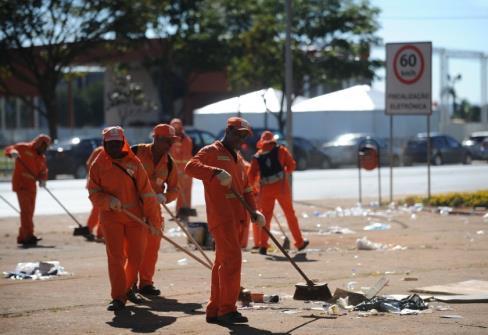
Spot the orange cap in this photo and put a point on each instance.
(176, 122)
(266, 137)
(113, 134)
(164, 130)
(239, 123)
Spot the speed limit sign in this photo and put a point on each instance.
(408, 78)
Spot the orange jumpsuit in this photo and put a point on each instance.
(94, 217)
(276, 189)
(159, 176)
(225, 216)
(244, 231)
(31, 168)
(125, 239)
(181, 151)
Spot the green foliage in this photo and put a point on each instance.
(454, 199)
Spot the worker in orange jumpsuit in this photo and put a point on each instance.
(220, 167)
(118, 182)
(164, 181)
(94, 217)
(181, 151)
(271, 164)
(30, 166)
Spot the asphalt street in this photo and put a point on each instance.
(307, 185)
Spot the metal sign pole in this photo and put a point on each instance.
(428, 156)
(379, 173)
(359, 172)
(391, 158)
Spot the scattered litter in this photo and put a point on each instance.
(182, 261)
(336, 230)
(344, 304)
(381, 304)
(36, 270)
(377, 226)
(377, 287)
(353, 298)
(485, 217)
(410, 279)
(480, 232)
(444, 210)
(335, 310)
(289, 311)
(443, 308)
(451, 316)
(350, 285)
(365, 244)
(372, 312)
(305, 215)
(174, 232)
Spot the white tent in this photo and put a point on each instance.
(251, 106)
(352, 110)
(356, 98)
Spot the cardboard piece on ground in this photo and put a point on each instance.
(354, 297)
(469, 287)
(373, 291)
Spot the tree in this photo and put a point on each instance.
(39, 39)
(127, 96)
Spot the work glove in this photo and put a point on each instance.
(161, 198)
(224, 178)
(42, 183)
(154, 231)
(115, 204)
(258, 218)
(14, 154)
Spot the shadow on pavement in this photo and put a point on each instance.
(39, 246)
(161, 304)
(245, 329)
(140, 320)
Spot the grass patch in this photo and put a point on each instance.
(453, 199)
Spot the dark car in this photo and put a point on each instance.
(475, 145)
(307, 155)
(444, 149)
(343, 149)
(69, 157)
(200, 138)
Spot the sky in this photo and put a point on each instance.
(450, 24)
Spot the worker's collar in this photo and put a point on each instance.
(230, 150)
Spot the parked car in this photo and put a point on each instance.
(69, 157)
(200, 138)
(305, 153)
(343, 150)
(444, 149)
(474, 144)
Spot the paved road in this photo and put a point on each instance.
(308, 185)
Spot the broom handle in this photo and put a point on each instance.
(250, 210)
(167, 239)
(8, 203)
(182, 226)
(279, 225)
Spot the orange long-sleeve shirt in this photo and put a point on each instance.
(221, 203)
(158, 174)
(181, 151)
(31, 168)
(92, 157)
(284, 157)
(108, 180)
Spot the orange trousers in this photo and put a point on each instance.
(148, 265)
(184, 194)
(27, 204)
(280, 192)
(125, 244)
(226, 272)
(93, 222)
(244, 234)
